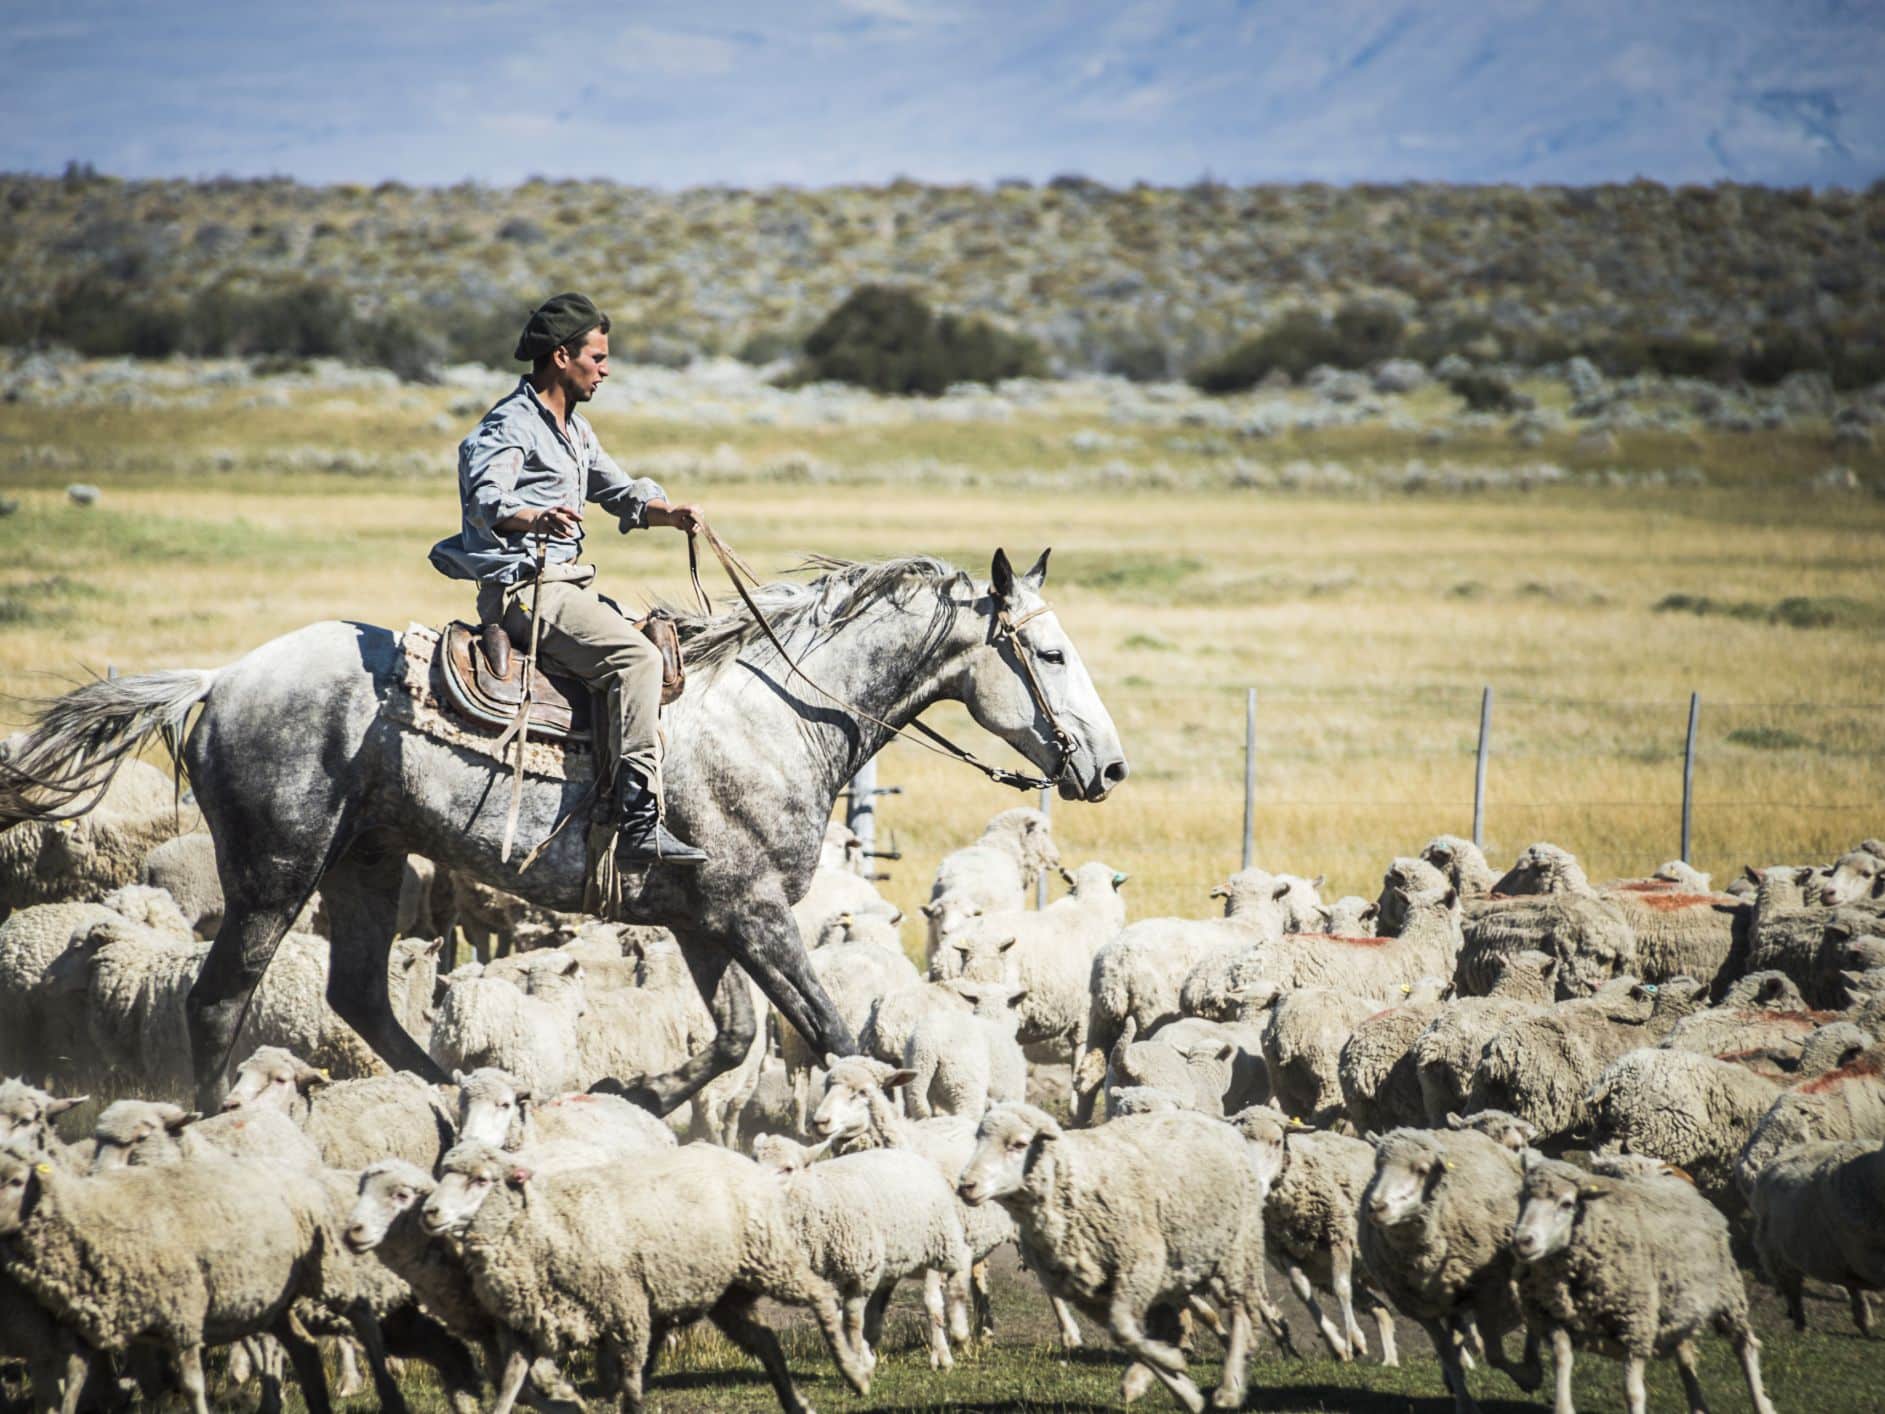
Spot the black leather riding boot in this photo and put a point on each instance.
(641, 838)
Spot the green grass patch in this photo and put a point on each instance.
(1795, 611)
(1767, 739)
(1127, 573)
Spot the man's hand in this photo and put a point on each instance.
(559, 522)
(688, 518)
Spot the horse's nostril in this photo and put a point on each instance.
(1114, 773)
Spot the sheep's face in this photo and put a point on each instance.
(1407, 1172)
(467, 1176)
(992, 1001)
(1141, 1100)
(1266, 1145)
(387, 1189)
(1547, 1211)
(778, 1154)
(1502, 1127)
(491, 1108)
(20, 1175)
(136, 1132)
(272, 1079)
(26, 1110)
(949, 917)
(1008, 1143)
(844, 1110)
(1248, 893)
(1857, 874)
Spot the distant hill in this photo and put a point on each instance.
(1144, 280)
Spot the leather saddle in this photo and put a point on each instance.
(480, 677)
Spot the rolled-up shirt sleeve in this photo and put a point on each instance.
(623, 496)
(490, 464)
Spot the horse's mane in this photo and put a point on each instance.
(810, 610)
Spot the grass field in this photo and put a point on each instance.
(1368, 623)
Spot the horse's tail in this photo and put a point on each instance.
(62, 767)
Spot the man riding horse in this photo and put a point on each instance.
(523, 475)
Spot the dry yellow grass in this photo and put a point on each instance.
(1367, 625)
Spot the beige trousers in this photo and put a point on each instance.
(589, 639)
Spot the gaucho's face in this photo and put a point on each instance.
(584, 370)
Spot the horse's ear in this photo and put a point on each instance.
(1001, 577)
(1037, 576)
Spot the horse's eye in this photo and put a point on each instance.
(1053, 655)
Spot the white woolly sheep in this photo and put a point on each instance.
(1448, 1049)
(1376, 1066)
(1142, 972)
(534, 1035)
(352, 1122)
(1846, 1103)
(843, 848)
(1464, 865)
(1350, 916)
(1684, 1108)
(237, 1246)
(496, 1108)
(835, 891)
(864, 1221)
(859, 1111)
(1100, 1218)
(1435, 1219)
(859, 963)
(101, 850)
(185, 868)
(38, 1036)
(963, 1061)
(1761, 1022)
(1542, 1067)
(1818, 1212)
(144, 1133)
(1313, 1181)
(1206, 1066)
(1857, 874)
(1048, 954)
(1630, 1267)
(588, 1257)
(1302, 1049)
(26, 1122)
(993, 873)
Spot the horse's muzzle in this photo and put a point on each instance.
(1100, 786)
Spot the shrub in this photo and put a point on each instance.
(1485, 391)
(767, 346)
(1362, 332)
(1776, 352)
(885, 337)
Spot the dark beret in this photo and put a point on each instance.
(555, 322)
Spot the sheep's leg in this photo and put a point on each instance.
(1685, 1364)
(190, 1376)
(362, 896)
(960, 1331)
(351, 1380)
(1166, 1364)
(1342, 1278)
(978, 1298)
(1861, 1310)
(1384, 1326)
(305, 1356)
(411, 1332)
(1070, 1337)
(1561, 1371)
(1447, 1347)
(1748, 1347)
(733, 1314)
(854, 1331)
(367, 1326)
(1306, 1293)
(1793, 1287)
(1230, 1390)
(1635, 1394)
(940, 1357)
(632, 1360)
(875, 1307)
(517, 1363)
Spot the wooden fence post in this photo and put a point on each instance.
(1479, 767)
(1250, 776)
(1688, 771)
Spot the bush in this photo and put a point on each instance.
(1361, 333)
(1484, 391)
(885, 337)
(767, 346)
(1776, 352)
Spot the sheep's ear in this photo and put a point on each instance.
(1015, 997)
(1370, 914)
(961, 986)
(1318, 881)
(1037, 573)
(1220, 892)
(309, 1076)
(1004, 944)
(1453, 1121)
(519, 1175)
(1280, 891)
(831, 1060)
(1450, 898)
(431, 949)
(1752, 874)
(931, 909)
(1119, 879)
(1001, 577)
(1225, 1050)
(567, 967)
(1048, 1130)
(1771, 988)
(1372, 1136)
(181, 1120)
(1528, 1159)
(460, 1079)
(59, 1107)
(897, 1079)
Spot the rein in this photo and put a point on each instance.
(1001, 629)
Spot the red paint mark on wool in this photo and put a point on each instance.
(1675, 903)
(1354, 942)
(1864, 1068)
(1644, 886)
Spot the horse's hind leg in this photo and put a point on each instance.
(362, 896)
(731, 1004)
(262, 896)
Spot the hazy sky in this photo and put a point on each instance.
(820, 91)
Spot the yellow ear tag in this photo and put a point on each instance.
(323, 1072)
(42, 1169)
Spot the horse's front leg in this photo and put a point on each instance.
(735, 1026)
(765, 941)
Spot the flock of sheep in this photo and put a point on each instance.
(1373, 1097)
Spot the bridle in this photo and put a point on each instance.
(1003, 631)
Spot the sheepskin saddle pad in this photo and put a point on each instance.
(430, 689)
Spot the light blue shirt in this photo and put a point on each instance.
(518, 459)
